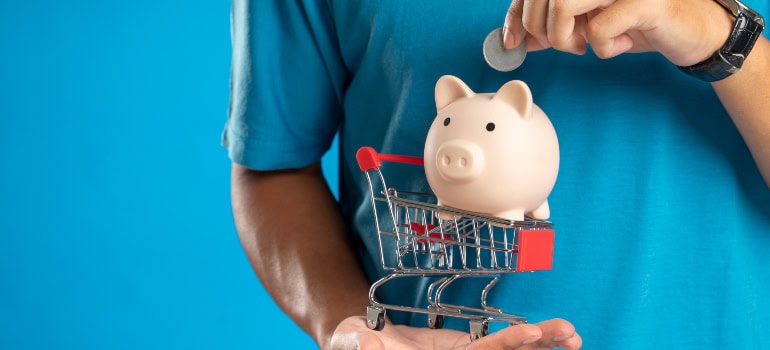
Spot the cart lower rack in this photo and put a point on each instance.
(417, 238)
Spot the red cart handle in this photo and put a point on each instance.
(369, 159)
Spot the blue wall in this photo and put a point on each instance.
(115, 222)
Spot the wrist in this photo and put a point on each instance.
(728, 59)
(720, 26)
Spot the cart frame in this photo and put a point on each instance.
(418, 238)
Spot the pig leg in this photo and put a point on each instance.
(443, 215)
(542, 212)
(513, 214)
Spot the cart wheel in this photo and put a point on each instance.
(479, 328)
(435, 321)
(375, 317)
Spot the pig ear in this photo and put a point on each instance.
(516, 94)
(450, 88)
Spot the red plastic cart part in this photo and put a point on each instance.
(535, 250)
(421, 229)
(369, 159)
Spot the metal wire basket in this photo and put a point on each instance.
(418, 238)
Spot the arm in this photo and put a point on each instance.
(746, 96)
(295, 238)
(684, 31)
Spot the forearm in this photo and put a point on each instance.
(295, 238)
(746, 96)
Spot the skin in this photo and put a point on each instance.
(319, 283)
(353, 333)
(321, 297)
(309, 270)
(684, 31)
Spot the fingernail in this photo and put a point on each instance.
(563, 337)
(530, 340)
(507, 38)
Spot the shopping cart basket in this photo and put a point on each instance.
(418, 238)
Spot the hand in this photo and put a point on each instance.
(684, 31)
(352, 333)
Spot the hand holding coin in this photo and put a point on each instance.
(500, 58)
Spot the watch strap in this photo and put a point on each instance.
(729, 59)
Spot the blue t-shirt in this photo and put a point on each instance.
(662, 218)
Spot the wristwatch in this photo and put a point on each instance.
(729, 59)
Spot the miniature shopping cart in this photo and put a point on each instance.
(417, 238)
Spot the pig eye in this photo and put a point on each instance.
(490, 126)
(446, 121)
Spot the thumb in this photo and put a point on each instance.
(513, 30)
(370, 341)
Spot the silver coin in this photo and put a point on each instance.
(498, 57)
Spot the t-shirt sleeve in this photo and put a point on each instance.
(286, 84)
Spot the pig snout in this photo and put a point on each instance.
(459, 161)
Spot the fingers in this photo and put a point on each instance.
(534, 20)
(566, 25)
(352, 334)
(369, 341)
(513, 337)
(513, 31)
(559, 24)
(557, 333)
(567, 21)
(607, 31)
(569, 25)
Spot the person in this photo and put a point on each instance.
(661, 206)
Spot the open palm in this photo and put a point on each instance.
(352, 333)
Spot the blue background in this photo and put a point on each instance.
(115, 224)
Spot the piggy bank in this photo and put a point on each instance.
(492, 153)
